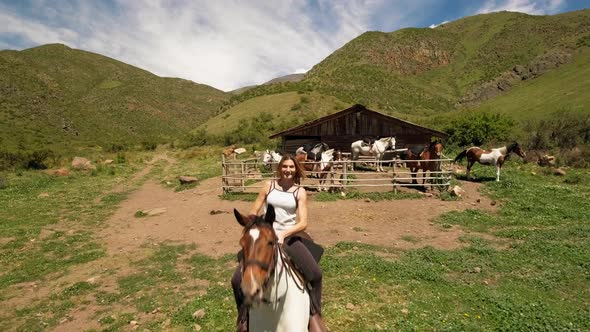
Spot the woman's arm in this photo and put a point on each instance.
(259, 202)
(301, 223)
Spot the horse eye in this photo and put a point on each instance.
(271, 242)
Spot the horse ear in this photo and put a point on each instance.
(269, 217)
(239, 218)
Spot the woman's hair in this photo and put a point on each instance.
(299, 171)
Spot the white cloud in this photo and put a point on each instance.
(226, 44)
(534, 7)
(432, 26)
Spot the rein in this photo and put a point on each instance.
(268, 267)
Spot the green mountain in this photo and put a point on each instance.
(57, 97)
(416, 73)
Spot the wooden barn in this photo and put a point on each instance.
(340, 129)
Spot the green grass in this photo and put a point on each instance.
(529, 273)
(373, 196)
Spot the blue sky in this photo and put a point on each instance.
(230, 44)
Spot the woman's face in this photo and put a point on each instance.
(288, 169)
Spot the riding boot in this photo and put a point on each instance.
(242, 323)
(316, 323)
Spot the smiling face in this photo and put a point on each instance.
(288, 169)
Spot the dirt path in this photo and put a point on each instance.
(200, 216)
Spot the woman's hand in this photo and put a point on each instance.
(281, 237)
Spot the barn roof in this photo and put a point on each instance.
(353, 109)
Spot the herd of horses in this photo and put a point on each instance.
(319, 159)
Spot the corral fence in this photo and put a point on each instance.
(245, 175)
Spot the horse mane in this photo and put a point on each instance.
(511, 146)
(257, 221)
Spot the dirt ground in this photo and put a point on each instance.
(199, 216)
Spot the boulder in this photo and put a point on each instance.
(82, 163)
(558, 172)
(546, 161)
(456, 191)
(185, 179)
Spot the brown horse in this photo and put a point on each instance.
(277, 299)
(494, 157)
(425, 160)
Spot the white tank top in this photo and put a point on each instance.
(285, 204)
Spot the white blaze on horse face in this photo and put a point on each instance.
(254, 234)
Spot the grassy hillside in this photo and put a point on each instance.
(54, 96)
(566, 88)
(287, 109)
(418, 73)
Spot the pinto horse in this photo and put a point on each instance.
(313, 152)
(321, 168)
(425, 160)
(495, 156)
(277, 298)
(378, 148)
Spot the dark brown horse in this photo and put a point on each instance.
(320, 169)
(494, 157)
(425, 160)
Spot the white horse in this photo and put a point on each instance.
(271, 158)
(278, 299)
(377, 150)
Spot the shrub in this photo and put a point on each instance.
(149, 145)
(114, 147)
(479, 129)
(38, 159)
(564, 129)
(3, 181)
(121, 158)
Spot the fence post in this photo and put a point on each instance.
(345, 173)
(223, 174)
(393, 178)
(242, 181)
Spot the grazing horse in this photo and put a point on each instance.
(277, 298)
(495, 157)
(377, 149)
(425, 160)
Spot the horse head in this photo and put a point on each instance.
(436, 149)
(515, 147)
(259, 245)
(265, 157)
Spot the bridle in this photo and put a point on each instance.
(277, 250)
(269, 267)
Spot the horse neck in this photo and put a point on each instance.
(281, 280)
(504, 150)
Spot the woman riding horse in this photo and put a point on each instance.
(290, 206)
